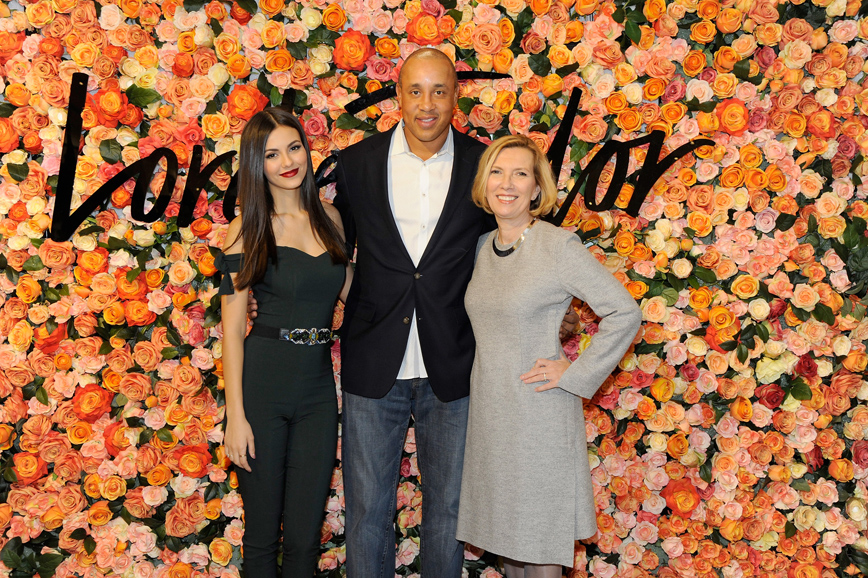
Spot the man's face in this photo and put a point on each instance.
(427, 95)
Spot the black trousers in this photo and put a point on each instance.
(291, 405)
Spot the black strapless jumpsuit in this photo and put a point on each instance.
(291, 405)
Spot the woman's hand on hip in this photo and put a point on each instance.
(547, 372)
(238, 439)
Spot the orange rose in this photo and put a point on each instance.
(7, 437)
(681, 496)
(745, 286)
(540, 7)
(79, 432)
(279, 60)
(273, 7)
(113, 314)
(699, 222)
(245, 100)
(831, 227)
(653, 88)
(21, 335)
(221, 551)
(28, 289)
(654, 9)
(703, 32)
(424, 31)
(352, 50)
(99, 514)
(677, 446)
(29, 467)
(137, 313)
(91, 402)
(729, 20)
(388, 47)
(662, 389)
(17, 94)
(113, 488)
(334, 17)
(741, 408)
(159, 475)
(795, 124)
(733, 116)
(53, 518)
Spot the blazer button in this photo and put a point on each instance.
(406, 321)
(417, 276)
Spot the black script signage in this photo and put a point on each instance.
(64, 224)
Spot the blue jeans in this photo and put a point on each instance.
(373, 438)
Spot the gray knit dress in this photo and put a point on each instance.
(526, 489)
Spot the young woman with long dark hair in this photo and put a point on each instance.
(281, 408)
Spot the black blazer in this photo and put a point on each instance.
(387, 287)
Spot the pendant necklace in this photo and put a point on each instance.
(516, 245)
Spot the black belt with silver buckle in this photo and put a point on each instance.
(310, 336)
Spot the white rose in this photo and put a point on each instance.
(797, 470)
(86, 243)
(681, 268)
(318, 67)
(655, 240)
(148, 79)
(824, 367)
(841, 345)
(322, 52)
(790, 404)
(696, 346)
(143, 237)
(664, 226)
(218, 74)
(657, 442)
(258, 21)
(119, 229)
(826, 97)
(836, 8)
(310, 18)
(127, 136)
(36, 205)
(131, 67)
(204, 35)
(775, 348)
(187, 234)
(633, 93)
(18, 242)
(672, 248)
(17, 157)
(856, 510)
(52, 131)
(759, 309)
(487, 96)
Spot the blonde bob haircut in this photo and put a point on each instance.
(542, 174)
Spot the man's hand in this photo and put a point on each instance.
(251, 309)
(568, 325)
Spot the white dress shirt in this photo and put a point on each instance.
(417, 192)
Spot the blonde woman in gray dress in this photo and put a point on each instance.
(526, 490)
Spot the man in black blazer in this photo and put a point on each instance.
(406, 342)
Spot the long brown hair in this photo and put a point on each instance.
(257, 204)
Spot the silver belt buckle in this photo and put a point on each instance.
(285, 334)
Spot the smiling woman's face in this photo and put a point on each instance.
(285, 160)
(511, 185)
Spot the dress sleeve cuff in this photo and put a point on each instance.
(227, 264)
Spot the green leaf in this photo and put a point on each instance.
(263, 85)
(784, 222)
(694, 104)
(671, 296)
(824, 313)
(633, 31)
(800, 390)
(169, 353)
(637, 16)
(18, 172)
(851, 237)
(89, 545)
(790, 529)
(741, 352)
(618, 15)
(164, 434)
(11, 553)
(347, 121)
(800, 484)
(42, 396)
(249, 6)
(540, 64)
(858, 559)
(78, 534)
(6, 109)
(142, 97)
(33, 264)
(132, 274)
(194, 5)
(704, 274)
(47, 563)
(105, 348)
(729, 345)
(705, 471)
(801, 314)
(110, 150)
(215, 26)
(742, 69)
(91, 229)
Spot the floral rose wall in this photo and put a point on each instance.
(731, 441)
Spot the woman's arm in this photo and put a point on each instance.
(238, 437)
(335, 216)
(584, 277)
